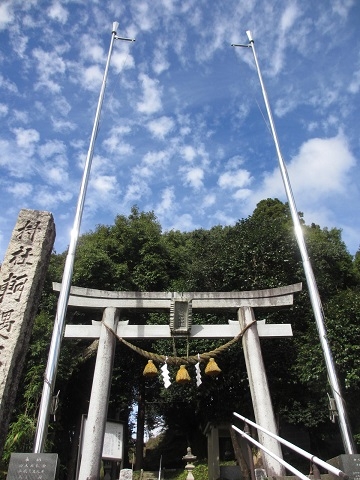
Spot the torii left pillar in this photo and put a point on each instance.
(96, 420)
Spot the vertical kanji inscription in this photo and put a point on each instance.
(22, 276)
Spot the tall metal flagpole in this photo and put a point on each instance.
(346, 434)
(59, 324)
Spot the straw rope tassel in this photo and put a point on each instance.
(150, 369)
(182, 375)
(212, 368)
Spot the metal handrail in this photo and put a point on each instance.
(269, 452)
(304, 453)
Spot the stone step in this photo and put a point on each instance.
(149, 475)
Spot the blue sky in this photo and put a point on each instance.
(183, 130)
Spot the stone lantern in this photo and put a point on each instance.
(189, 458)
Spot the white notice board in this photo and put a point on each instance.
(113, 448)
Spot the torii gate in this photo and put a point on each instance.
(113, 302)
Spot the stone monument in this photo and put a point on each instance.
(348, 463)
(33, 466)
(22, 277)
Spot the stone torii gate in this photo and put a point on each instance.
(177, 303)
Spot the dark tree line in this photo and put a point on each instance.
(258, 252)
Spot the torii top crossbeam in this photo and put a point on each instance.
(230, 301)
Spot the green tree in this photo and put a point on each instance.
(257, 252)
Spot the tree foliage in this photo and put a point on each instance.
(257, 252)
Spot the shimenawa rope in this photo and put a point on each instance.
(181, 360)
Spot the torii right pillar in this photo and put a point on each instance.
(260, 393)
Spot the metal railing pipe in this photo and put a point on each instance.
(266, 450)
(304, 453)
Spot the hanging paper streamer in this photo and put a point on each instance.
(198, 373)
(165, 374)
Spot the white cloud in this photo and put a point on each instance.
(183, 223)
(322, 166)
(160, 64)
(20, 116)
(209, 200)
(168, 5)
(151, 162)
(194, 177)
(289, 17)
(60, 125)
(8, 84)
(51, 147)
(234, 163)
(19, 40)
(3, 110)
(151, 98)
(320, 170)
(104, 184)
(92, 77)
(6, 14)
(223, 218)
(55, 167)
(350, 235)
(354, 85)
(286, 104)
(323, 97)
(160, 127)
(234, 179)
(135, 191)
(102, 165)
(55, 175)
(144, 15)
(103, 194)
(342, 7)
(287, 21)
(166, 204)
(20, 189)
(156, 159)
(213, 33)
(122, 61)
(58, 12)
(26, 137)
(17, 161)
(62, 105)
(188, 153)
(143, 171)
(94, 53)
(115, 144)
(48, 198)
(242, 194)
(49, 64)
(78, 144)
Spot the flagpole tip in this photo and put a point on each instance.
(248, 33)
(115, 27)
